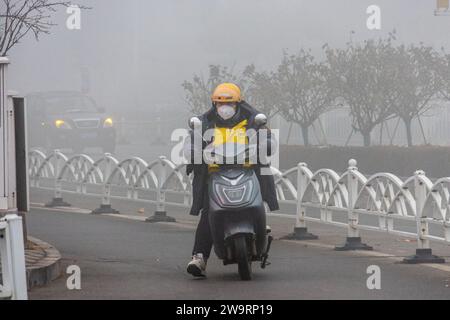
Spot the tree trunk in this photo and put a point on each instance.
(367, 138)
(407, 122)
(289, 132)
(305, 134)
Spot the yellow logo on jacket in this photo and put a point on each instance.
(236, 134)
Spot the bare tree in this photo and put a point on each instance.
(198, 91)
(263, 92)
(364, 76)
(418, 82)
(18, 18)
(443, 71)
(306, 93)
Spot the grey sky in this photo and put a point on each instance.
(139, 51)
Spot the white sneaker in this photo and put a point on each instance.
(197, 267)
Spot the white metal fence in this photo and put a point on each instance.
(383, 196)
(14, 283)
(414, 207)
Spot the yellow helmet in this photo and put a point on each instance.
(227, 92)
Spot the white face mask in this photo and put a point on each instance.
(226, 111)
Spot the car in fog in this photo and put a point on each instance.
(68, 120)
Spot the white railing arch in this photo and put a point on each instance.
(80, 170)
(439, 199)
(35, 162)
(283, 183)
(381, 202)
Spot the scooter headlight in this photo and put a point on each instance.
(234, 195)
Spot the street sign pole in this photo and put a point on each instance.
(4, 152)
(8, 193)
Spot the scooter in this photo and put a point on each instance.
(237, 219)
(237, 215)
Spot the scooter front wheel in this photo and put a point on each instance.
(243, 258)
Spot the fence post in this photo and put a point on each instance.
(57, 200)
(423, 252)
(353, 241)
(300, 229)
(160, 213)
(105, 206)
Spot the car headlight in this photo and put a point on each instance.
(108, 123)
(61, 124)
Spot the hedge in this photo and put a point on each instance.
(401, 161)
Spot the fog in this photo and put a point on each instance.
(138, 52)
(362, 144)
(133, 56)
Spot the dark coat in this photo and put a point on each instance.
(200, 193)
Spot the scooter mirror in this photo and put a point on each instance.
(260, 119)
(194, 123)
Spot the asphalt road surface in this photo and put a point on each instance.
(127, 259)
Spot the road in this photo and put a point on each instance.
(128, 259)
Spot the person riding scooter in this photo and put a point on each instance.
(228, 111)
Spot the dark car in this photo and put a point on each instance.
(66, 119)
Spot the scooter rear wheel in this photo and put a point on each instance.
(243, 259)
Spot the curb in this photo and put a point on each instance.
(47, 268)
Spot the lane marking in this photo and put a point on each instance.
(184, 224)
(378, 254)
(441, 267)
(179, 223)
(123, 216)
(41, 206)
